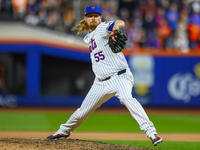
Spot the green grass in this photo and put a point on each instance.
(31, 121)
(107, 123)
(125, 123)
(97, 122)
(163, 146)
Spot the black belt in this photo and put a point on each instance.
(119, 73)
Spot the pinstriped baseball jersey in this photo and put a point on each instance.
(105, 63)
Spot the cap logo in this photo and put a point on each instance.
(92, 7)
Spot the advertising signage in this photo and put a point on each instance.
(177, 82)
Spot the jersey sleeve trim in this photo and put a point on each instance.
(111, 26)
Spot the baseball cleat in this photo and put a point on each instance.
(56, 137)
(157, 140)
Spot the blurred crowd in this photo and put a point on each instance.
(164, 24)
(151, 24)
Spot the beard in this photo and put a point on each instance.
(93, 25)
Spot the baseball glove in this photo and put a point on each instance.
(118, 45)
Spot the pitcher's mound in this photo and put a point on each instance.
(69, 144)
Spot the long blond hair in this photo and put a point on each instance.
(81, 26)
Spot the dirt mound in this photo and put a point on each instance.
(69, 144)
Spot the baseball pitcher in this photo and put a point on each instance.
(113, 77)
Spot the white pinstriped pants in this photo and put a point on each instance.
(101, 91)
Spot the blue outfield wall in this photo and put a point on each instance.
(50, 101)
(160, 81)
(177, 82)
(166, 81)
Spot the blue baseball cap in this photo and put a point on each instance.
(92, 9)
